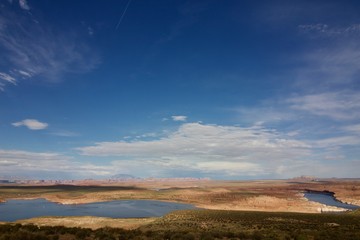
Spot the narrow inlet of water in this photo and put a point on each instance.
(328, 199)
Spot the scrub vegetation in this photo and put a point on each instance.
(268, 211)
(207, 224)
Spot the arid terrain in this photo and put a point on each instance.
(192, 225)
(264, 195)
(266, 209)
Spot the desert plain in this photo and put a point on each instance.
(257, 195)
(214, 198)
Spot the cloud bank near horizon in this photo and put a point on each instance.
(216, 150)
(197, 149)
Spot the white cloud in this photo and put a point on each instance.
(21, 162)
(197, 149)
(336, 105)
(31, 124)
(48, 165)
(179, 118)
(209, 148)
(24, 5)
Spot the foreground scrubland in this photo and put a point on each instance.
(207, 224)
(270, 209)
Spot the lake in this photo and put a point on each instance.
(13, 210)
(328, 199)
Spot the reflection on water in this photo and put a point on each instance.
(328, 199)
(13, 210)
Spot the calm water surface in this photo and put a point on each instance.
(328, 199)
(13, 210)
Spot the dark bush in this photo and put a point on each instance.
(206, 236)
(257, 235)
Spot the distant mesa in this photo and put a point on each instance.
(306, 178)
(122, 177)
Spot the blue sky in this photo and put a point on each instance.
(219, 89)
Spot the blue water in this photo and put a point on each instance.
(328, 199)
(13, 210)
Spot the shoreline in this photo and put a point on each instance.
(259, 195)
(309, 207)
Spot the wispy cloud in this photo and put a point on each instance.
(317, 28)
(264, 114)
(48, 165)
(24, 5)
(334, 62)
(355, 128)
(330, 66)
(31, 48)
(64, 133)
(179, 118)
(325, 30)
(24, 74)
(6, 78)
(90, 31)
(344, 105)
(282, 14)
(347, 140)
(31, 124)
